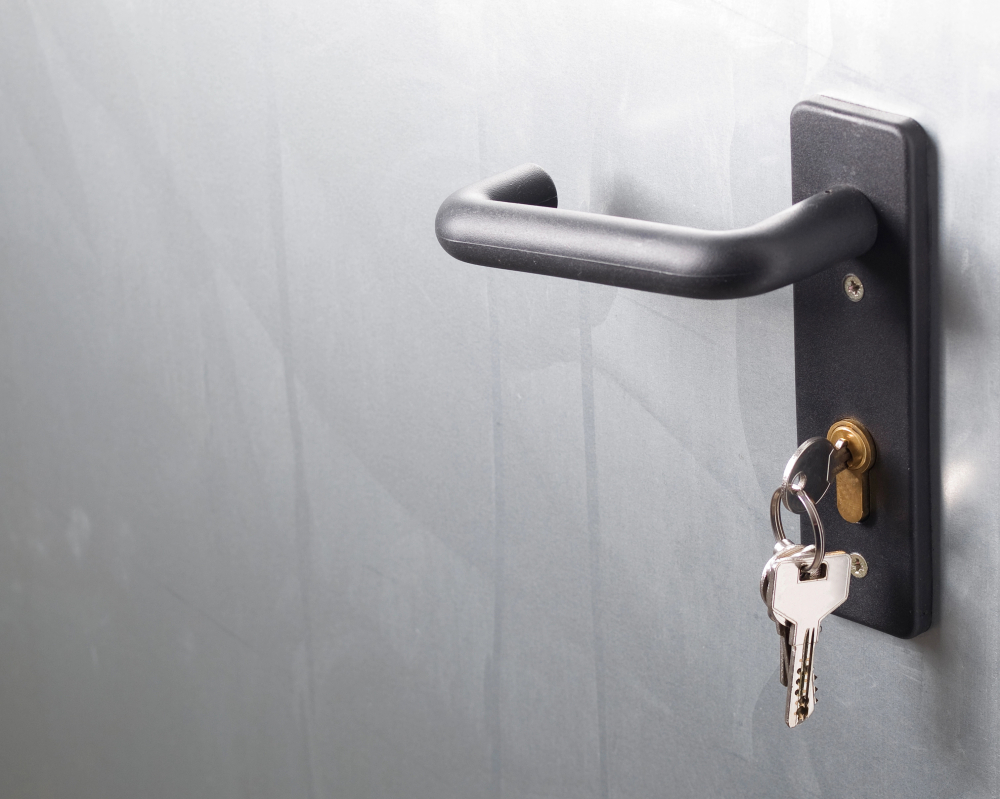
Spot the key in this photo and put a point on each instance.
(802, 556)
(783, 550)
(787, 550)
(803, 603)
(813, 467)
(799, 605)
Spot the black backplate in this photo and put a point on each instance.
(870, 360)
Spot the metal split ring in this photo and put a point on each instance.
(776, 526)
(817, 524)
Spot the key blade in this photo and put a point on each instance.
(784, 654)
(801, 696)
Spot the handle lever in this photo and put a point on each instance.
(511, 221)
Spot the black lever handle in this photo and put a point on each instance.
(510, 221)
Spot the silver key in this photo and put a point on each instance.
(812, 468)
(800, 604)
(783, 548)
(808, 558)
(801, 555)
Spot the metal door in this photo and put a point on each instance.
(295, 505)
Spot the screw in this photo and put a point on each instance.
(854, 288)
(859, 566)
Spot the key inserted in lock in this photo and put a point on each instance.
(852, 479)
(845, 455)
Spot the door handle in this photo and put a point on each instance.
(856, 246)
(511, 221)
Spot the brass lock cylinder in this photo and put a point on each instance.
(852, 480)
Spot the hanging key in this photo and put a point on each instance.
(783, 550)
(803, 603)
(780, 623)
(801, 589)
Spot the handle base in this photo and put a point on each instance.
(862, 342)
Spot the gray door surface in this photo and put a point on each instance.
(293, 504)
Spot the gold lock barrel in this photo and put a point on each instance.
(852, 481)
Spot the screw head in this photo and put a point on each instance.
(854, 288)
(859, 566)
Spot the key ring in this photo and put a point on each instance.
(776, 526)
(817, 524)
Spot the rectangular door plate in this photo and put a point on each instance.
(869, 359)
